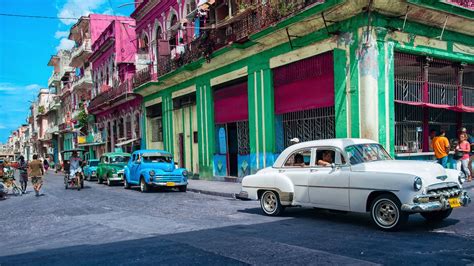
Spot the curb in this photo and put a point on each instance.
(212, 193)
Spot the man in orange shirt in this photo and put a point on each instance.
(441, 148)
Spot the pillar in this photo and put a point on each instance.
(206, 128)
(112, 136)
(261, 116)
(167, 120)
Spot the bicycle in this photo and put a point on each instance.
(9, 183)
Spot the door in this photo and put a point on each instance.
(134, 166)
(329, 184)
(233, 150)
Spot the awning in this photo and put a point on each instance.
(126, 142)
(91, 144)
(460, 108)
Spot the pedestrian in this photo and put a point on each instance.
(441, 148)
(462, 155)
(45, 164)
(36, 173)
(23, 168)
(430, 140)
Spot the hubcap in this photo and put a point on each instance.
(269, 202)
(386, 213)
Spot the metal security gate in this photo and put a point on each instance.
(306, 125)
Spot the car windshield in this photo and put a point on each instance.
(93, 163)
(363, 153)
(119, 159)
(157, 159)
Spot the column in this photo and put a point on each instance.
(206, 128)
(167, 118)
(261, 116)
(112, 136)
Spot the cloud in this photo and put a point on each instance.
(33, 87)
(61, 34)
(78, 8)
(65, 44)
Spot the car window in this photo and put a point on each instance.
(362, 153)
(325, 157)
(119, 159)
(93, 163)
(300, 158)
(157, 159)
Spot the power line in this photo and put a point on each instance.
(57, 18)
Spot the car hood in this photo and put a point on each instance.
(430, 172)
(165, 167)
(118, 166)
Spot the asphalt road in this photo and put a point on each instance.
(113, 226)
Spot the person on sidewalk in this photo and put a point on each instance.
(36, 173)
(441, 148)
(463, 148)
(23, 168)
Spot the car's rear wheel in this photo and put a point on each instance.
(386, 213)
(436, 216)
(270, 203)
(143, 185)
(109, 183)
(99, 180)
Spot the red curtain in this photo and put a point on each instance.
(231, 104)
(304, 85)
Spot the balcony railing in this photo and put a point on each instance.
(250, 19)
(111, 96)
(55, 77)
(81, 82)
(80, 53)
(468, 96)
(142, 76)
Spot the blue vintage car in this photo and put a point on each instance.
(90, 170)
(154, 168)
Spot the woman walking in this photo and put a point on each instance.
(36, 173)
(23, 167)
(463, 148)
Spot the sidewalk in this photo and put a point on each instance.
(216, 188)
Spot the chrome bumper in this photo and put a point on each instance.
(165, 184)
(243, 195)
(441, 204)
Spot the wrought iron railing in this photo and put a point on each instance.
(142, 76)
(468, 96)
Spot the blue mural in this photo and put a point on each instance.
(244, 165)
(220, 165)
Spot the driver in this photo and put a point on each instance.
(74, 164)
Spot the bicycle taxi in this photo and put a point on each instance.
(77, 179)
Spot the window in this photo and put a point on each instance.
(195, 137)
(157, 159)
(363, 153)
(103, 159)
(119, 159)
(156, 129)
(300, 158)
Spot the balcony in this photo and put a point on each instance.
(54, 79)
(81, 53)
(120, 93)
(54, 104)
(142, 76)
(250, 19)
(82, 82)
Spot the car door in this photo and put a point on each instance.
(134, 167)
(299, 173)
(329, 185)
(100, 167)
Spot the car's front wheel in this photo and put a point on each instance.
(126, 185)
(386, 213)
(436, 216)
(183, 188)
(270, 203)
(143, 185)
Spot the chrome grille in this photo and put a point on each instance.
(446, 192)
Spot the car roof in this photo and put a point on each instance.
(341, 143)
(116, 154)
(93, 160)
(151, 151)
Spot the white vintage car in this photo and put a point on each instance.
(356, 175)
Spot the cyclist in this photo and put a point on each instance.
(75, 166)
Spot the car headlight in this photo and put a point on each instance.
(461, 178)
(418, 183)
(93, 172)
(152, 173)
(185, 173)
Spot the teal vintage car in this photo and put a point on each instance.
(90, 169)
(111, 167)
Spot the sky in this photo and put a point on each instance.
(26, 45)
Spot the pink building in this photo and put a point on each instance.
(115, 106)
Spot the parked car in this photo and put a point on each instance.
(90, 169)
(356, 175)
(154, 168)
(111, 167)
